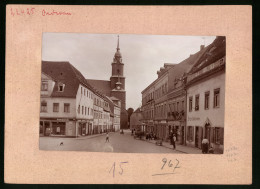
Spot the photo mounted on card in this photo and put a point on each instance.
(128, 94)
(132, 93)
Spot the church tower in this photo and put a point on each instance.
(117, 85)
(117, 80)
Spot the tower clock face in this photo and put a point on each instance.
(118, 87)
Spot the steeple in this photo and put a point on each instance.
(118, 43)
(118, 56)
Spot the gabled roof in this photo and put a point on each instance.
(63, 72)
(101, 85)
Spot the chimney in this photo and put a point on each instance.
(202, 47)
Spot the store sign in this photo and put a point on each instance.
(193, 119)
(63, 120)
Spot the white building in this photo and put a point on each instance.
(66, 101)
(206, 98)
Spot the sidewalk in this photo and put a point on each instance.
(93, 136)
(180, 148)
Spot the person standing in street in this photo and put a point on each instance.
(173, 141)
(107, 137)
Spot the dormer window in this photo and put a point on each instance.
(44, 86)
(61, 87)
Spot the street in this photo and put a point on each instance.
(124, 143)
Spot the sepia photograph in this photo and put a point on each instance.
(132, 93)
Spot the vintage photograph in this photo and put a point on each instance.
(132, 93)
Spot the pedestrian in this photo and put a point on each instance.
(173, 141)
(107, 137)
(205, 143)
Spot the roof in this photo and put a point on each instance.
(215, 51)
(183, 67)
(138, 110)
(101, 85)
(63, 72)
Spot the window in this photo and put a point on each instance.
(88, 111)
(44, 86)
(173, 106)
(85, 110)
(79, 109)
(67, 107)
(87, 93)
(55, 107)
(216, 98)
(206, 100)
(43, 106)
(197, 101)
(61, 87)
(82, 110)
(178, 106)
(182, 105)
(219, 135)
(190, 104)
(84, 92)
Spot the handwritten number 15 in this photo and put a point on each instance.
(114, 168)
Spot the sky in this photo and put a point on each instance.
(143, 55)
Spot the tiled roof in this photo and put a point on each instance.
(101, 85)
(64, 73)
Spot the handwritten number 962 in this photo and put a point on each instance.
(114, 168)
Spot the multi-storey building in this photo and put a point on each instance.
(66, 107)
(176, 97)
(206, 97)
(154, 103)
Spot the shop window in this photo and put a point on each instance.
(219, 135)
(197, 100)
(206, 100)
(216, 98)
(190, 104)
(66, 107)
(44, 86)
(55, 107)
(43, 106)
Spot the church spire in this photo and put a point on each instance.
(118, 43)
(118, 56)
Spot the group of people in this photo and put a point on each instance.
(151, 136)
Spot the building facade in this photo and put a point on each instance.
(206, 97)
(66, 107)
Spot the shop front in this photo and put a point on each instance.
(57, 127)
